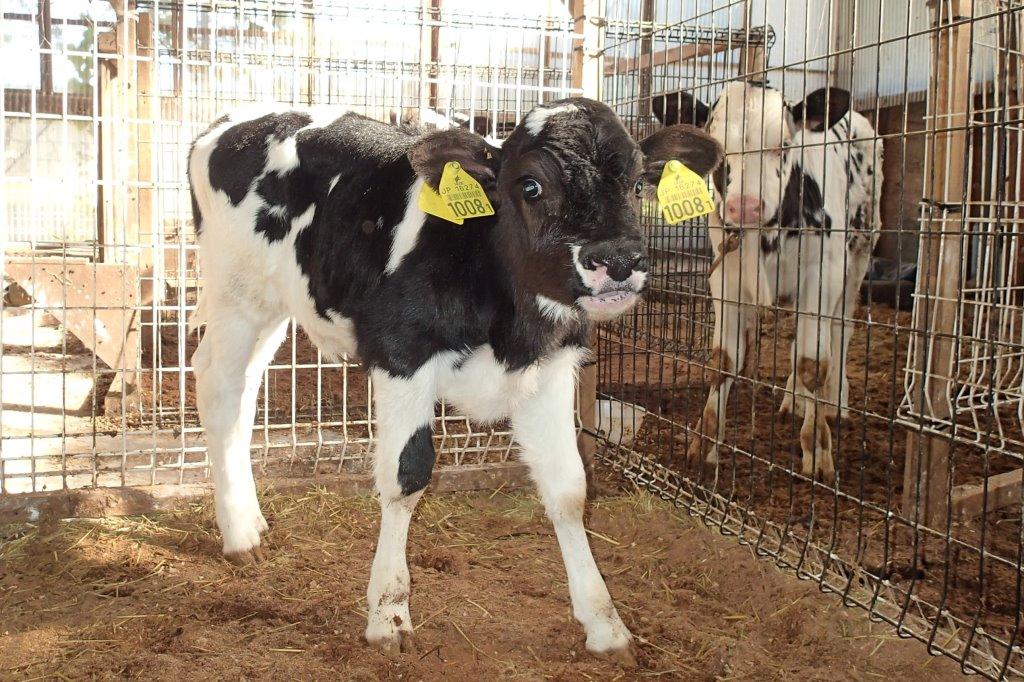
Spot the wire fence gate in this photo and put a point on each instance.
(922, 525)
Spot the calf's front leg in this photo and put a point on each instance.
(734, 316)
(545, 429)
(404, 463)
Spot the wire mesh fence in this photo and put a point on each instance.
(100, 104)
(922, 523)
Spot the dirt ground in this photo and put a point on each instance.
(150, 598)
(759, 466)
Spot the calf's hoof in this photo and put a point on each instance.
(242, 531)
(702, 448)
(609, 639)
(245, 557)
(791, 405)
(819, 468)
(242, 526)
(391, 642)
(624, 656)
(696, 452)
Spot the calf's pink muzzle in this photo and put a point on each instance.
(743, 210)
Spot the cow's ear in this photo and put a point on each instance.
(680, 107)
(822, 109)
(698, 151)
(432, 151)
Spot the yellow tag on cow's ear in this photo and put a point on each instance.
(682, 194)
(458, 196)
(431, 202)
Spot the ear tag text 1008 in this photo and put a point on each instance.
(458, 196)
(682, 194)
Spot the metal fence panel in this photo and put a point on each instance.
(97, 119)
(923, 524)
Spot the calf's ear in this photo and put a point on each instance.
(432, 151)
(697, 150)
(822, 109)
(680, 107)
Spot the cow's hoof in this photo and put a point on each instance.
(241, 525)
(246, 557)
(791, 406)
(695, 453)
(624, 656)
(610, 639)
(786, 408)
(392, 644)
(820, 470)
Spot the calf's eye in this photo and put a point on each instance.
(639, 187)
(532, 189)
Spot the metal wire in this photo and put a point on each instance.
(100, 105)
(924, 526)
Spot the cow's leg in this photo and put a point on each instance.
(545, 429)
(820, 292)
(838, 388)
(229, 364)
(404, 462)
(733, 314)
(794, 400)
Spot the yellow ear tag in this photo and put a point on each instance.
(682, 194)
(458, 196)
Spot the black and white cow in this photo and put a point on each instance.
(800, 191)
(315, 216)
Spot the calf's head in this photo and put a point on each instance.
(566, 187)
(762, 135)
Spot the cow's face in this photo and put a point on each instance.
(567, 186)
(763, 138)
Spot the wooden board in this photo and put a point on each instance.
(926, 476)
(1003, 490)
(97, 302)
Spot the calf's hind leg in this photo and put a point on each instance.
(229, 365)
(838, 387)
(814, 364)
(404, 462)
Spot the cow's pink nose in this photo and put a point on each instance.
(743, 209)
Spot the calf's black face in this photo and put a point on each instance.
(566, 187)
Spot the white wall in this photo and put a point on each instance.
(888, 60)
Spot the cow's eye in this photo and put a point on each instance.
(532, 189)
(639, 187)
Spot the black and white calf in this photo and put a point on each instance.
(315, 217)
(799, 188)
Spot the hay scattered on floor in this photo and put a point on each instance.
(151, 598)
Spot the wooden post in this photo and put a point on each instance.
(926, 477)
(751, 56)
(118, 139)
(645, 81)
(588, 53)
(126, 94)
(588, 74)
(430, 51)
(435, 55)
